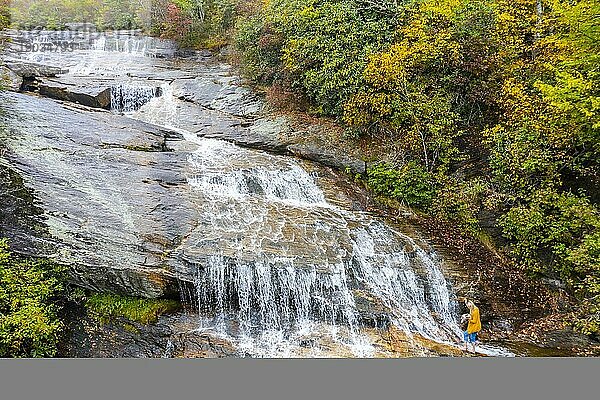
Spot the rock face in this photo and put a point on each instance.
(112, 196)
(109, 196)
(219, 95)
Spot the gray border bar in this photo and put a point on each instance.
(431, 379)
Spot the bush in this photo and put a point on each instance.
(30, 291)
(261, 49)
(558, 234)
(4, 14)
(195, 23)
(461, 201)
(410, 184)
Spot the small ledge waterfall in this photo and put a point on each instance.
(126, 98)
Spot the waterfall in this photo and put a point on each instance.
(99, 44)
(285, 263)
(284, 269)
(126, 98)
(141, 46)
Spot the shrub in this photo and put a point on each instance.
(195, 23)
(4, 14)
(461, 201)
(557, 234)
(409, 184)
(30, 291)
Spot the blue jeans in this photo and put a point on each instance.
(470, 337)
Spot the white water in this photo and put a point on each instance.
(128, 97)
(136, 45)
(289, 263)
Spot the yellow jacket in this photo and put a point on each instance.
(474, 322)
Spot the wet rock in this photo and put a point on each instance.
(91, 339)
(274, 135)
(20, 218)
(565, 338)
(192, 344)
(171, 336)
(249, 139)
(372, 312)
(220, 94)
(110, 211)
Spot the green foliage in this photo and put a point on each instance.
(119, 14)
(4, 14)
(196, 23)
(462, 201)
(410, 184)
(559, 234)
(108, 307)
(261, 50)
(587, 320)
(54, 14)
(318, 47)
(29, 295)
(557, 231)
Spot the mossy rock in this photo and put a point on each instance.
(109, 307)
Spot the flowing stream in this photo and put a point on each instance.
(276, 267)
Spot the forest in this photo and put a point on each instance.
(484, 114)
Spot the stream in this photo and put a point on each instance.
(150, 196)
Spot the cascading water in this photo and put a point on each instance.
(126, 98)
(292, 260)
(143, 46)
(290, 266)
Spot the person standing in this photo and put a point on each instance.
(473, 325)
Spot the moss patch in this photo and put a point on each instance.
(108, 307)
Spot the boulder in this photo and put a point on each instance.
(91, 96)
